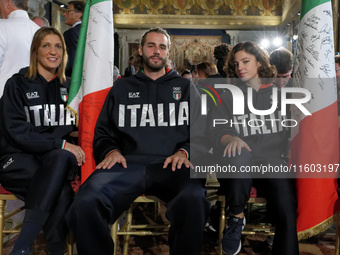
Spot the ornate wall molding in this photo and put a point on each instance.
(204, 22)
(225, 14)
(194, 49)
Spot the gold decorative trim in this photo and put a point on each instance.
(239, 8)
(127, 9)
(192, 21)
(323, 226)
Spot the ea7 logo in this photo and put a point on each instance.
(134, 94)
(32, 95)
(10, 161)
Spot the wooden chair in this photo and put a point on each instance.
(212, 186)
(252, 229)
(249, 229)
(129, 228)
(15, 229)
(4, 197)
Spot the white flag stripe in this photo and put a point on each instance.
(98, 65)
(314, 61)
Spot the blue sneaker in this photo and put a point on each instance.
(231, 241)
(21, 252)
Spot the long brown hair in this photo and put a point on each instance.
(208, 68)
(36, 42)
(266, 70)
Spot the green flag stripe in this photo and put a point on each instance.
(98, 1)
(307, 5)
(77, 70)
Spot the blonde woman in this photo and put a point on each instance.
(37, 161)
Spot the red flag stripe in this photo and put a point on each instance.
(90, 108)
(313, 145)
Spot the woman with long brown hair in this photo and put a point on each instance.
(254, 139)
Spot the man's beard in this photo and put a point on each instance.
(154, 67)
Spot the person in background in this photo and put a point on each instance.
(245, 146)
(16, 33)
(194, 74)
(282, 59)
(73, 17)
(208, 76)
(116, 73)
(220, 54)
(41, 21)
(171, 65)
(187, 65)
(207, 70)
(138, 155)
(130, 70)
(36, 158)
(186, 74)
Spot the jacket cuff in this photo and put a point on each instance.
(185, 151)
(63, 144)
(111, 152)
(223, 137)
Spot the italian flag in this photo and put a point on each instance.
(315, 141)
(92, 75)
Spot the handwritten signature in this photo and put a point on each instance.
(314, 53)
(326, 69)
(328, 13)
(327, 40)
(325, 30)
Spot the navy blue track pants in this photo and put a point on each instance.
(106, 194)
(43, 183)
(280, 195)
